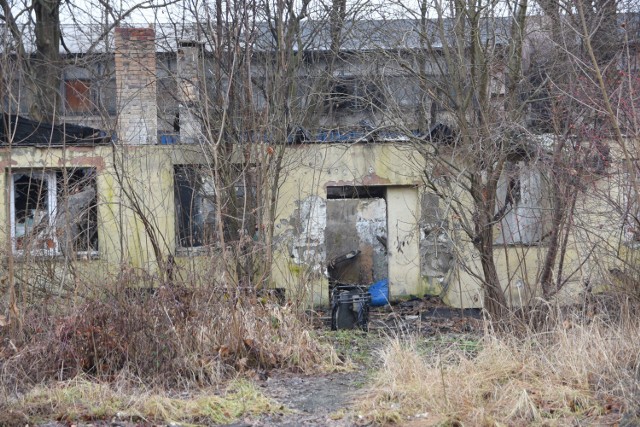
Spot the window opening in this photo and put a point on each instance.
(54, 212)
(519, 208)
(195, 206)
(353, 94)
(355, 192)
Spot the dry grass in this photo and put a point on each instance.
(572, 373)
(84, 400)
(178, 337)
(86, 360)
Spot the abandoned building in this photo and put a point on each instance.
(124, 170)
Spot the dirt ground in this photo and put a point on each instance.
(327, 400)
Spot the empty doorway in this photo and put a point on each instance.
(357, 221)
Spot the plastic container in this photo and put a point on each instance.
(349, 307)
(379, 293)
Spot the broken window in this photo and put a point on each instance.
(54, 212)
(78, 96)
(519, 205)
(195, 206)
(354, 94)
(107, 93)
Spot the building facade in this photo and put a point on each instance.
(131, 187)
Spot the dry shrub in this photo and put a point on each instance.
(170, 336)
(575, 372)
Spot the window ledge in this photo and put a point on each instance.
(195, 251)
(21, 257)
(520, 245)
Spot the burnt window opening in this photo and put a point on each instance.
(356, 192)
(350, 94)
(54, 212)
(441, 134)
(195, 206)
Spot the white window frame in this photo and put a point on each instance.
(52, 202)
(52, 206)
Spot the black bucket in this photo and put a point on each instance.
(349, 307)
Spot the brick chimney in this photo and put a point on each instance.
(189, 65)
(135, 58)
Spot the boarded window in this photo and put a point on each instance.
(195, 206)
(54, 212)
(78, 96)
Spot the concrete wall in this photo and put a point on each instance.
(428, 252)
(134, 186)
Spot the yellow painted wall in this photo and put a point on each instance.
(144, 174)
(397, 167)
(132, 183)
(309, 170)
(403, 242)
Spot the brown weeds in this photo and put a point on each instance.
(574, 372)
(173, 335)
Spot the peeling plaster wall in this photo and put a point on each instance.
(147, 174)
(371, 222)
(428, 250)
(426, 247)
(308, 244)
(403, 242)
(313, 168)
(437, 257)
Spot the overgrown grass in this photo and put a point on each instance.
(82, 399)
(87, 360)
(573, 373)
(175, 337)
(353, 346)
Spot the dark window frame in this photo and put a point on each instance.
(194, 207)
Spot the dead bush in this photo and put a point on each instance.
(172, 335)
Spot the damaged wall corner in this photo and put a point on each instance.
(437, 258)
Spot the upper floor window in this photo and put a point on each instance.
(353, 94)
(54, 212)
(78, 96)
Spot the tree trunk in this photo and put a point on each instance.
(495, 301)
(46, 66)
